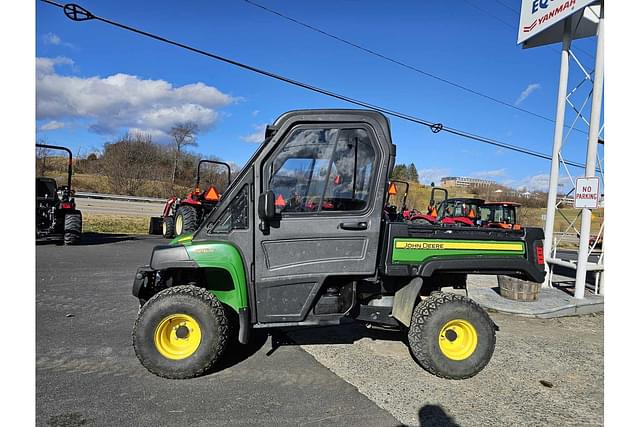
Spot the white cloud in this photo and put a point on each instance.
(491, 173)
(52, 125)
(51, 38)
(54, 39)
(45, 66)
(256, 137)
(540, 182)
(255, 113)
(121, 101)
(427, 176)
(528, 91)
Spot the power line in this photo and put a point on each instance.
(78, 13)
(509, 7)
(404, 64)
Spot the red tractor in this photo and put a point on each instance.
(500, 215)
(184, 215)
(457, 211)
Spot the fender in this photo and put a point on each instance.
(167, 206)
(213, 258)
(405, 299)
(223, 256)
(429, 218)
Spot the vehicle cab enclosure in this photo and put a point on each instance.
(300, 236)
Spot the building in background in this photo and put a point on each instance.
(461, 181)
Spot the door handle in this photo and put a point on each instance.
(354, 225)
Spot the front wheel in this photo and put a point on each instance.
(181, 332)
(451, 336)
(168, 227)
(186, 220)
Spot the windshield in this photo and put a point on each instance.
(458, 208)
(502, 214)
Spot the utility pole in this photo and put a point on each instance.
(592, 149)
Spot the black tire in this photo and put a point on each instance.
(200, 305)
(429, 318)
(168, 227)
(188, 217)
(72, 228)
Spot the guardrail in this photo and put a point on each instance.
(84, 195)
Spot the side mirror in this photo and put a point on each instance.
(267, 206)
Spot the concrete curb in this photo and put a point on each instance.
(551, 303)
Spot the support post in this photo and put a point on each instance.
(592, 147)
(557, 145)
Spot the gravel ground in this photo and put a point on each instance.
(566, 353)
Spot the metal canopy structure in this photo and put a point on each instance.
(565, 22)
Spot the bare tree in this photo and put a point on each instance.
(129, 162)
(184, 134)
(41, 158)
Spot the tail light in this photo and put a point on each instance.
(539, 253)
(66, 205)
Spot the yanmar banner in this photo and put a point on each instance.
(538, 15)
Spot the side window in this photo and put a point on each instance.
(300, 170)
(236, 216)
(324, 170)
(485, 214)
(351, 174)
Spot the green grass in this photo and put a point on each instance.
(115, 224)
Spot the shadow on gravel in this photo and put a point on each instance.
(435, 416)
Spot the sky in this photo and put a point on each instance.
(95, 82)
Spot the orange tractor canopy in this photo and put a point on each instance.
(500, 215)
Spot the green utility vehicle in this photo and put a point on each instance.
(300, 238)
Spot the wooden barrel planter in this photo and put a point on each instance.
(518, 289)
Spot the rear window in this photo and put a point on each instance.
(45, 188)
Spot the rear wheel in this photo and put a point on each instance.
(168, 227)
(181, 332)
(72, 228)
(186, 220)
(451, 336)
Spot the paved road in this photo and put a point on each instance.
(86, 369)
(87, 372)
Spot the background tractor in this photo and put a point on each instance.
(56, 215)
(184, 215)
(500, 215)
(456, 211)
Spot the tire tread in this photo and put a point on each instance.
(218, 311)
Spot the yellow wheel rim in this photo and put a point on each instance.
(178, 225)
(458, 339)
(177, 336)
(164, 228)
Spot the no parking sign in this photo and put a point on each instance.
(587, 192)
